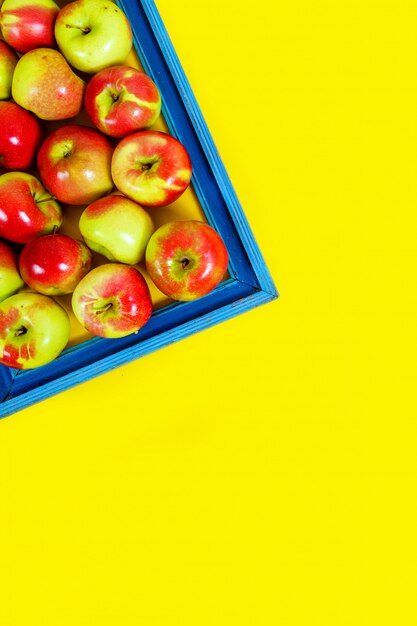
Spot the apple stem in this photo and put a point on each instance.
(104, 308)
(21, 331)
(184, 262)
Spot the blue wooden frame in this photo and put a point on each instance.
(250, 283)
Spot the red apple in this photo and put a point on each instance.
(20, 136)
(8, 60)
(10, 279)
(28, 24)
(186, 260)
(151, 168)
(113, 300)
(27, 210)
(54, 264)
(74, 164)
(121, 100)
(34, 329)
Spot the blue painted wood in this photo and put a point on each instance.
(250, 283)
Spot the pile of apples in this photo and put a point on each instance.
(54, 63)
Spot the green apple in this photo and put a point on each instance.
(34, 329)
(8, 60)
(118, 228)
(93, 34)
(45, 84)
(10, 279)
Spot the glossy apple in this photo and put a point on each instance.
(151, 167)
(74, 164)
(8, 60)
(93, 34)
(28, 24)
(27, 210)
(20, 137)
(34, 329)
(118, 228)
(45, 84)
(113, 300)
(54, 264)
(121, 100)
(10, 279)
(186, 259)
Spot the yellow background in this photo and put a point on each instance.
(264, 471)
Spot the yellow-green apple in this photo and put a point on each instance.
(27, 209)
(8, 60)
(121, 100)
(113, 300)
(74, 164)
(45, 84)
(28, 24)
(10, 279)
(34, 329)
(54, 264)
(117, 227)
(186, 259)
(20, 137)
(151, 167)
(93, 34)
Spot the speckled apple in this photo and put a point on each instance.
(112, 301)
(28, 24)
(54, 264)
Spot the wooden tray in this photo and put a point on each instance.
(211, 197)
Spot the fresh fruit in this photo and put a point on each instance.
(93, 34)
(74, 164)
(54, 264)
(10, 279)
(118, 228)
(113, 300)
(34, 329)
(151, 167)
(27, 210)
(20, 137)
(45, 84)
(121, 100)
(28, 24)
(186, 259)
(8, 60)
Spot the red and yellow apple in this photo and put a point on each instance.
(117, 228)
(45, 84)
(113, 300)
(151, 167)
(27, 210)
(186, 259)
(121, 100)
(74, 164)
(10, 279)
(54, 264)
(20, 137)
(28, 24)
(8, 60)
(34, 329)
(93, 34)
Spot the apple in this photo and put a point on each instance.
(27, 210)
(28, 24)
(186, 259)
(45, 84)
(151, 167)
(10, 279)
(113, 300)
(74, 164)
(121, 100)
(20, 137)
(93, 34)
(117, 228)
(34, 329)
(8, 60)
(54, 264)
